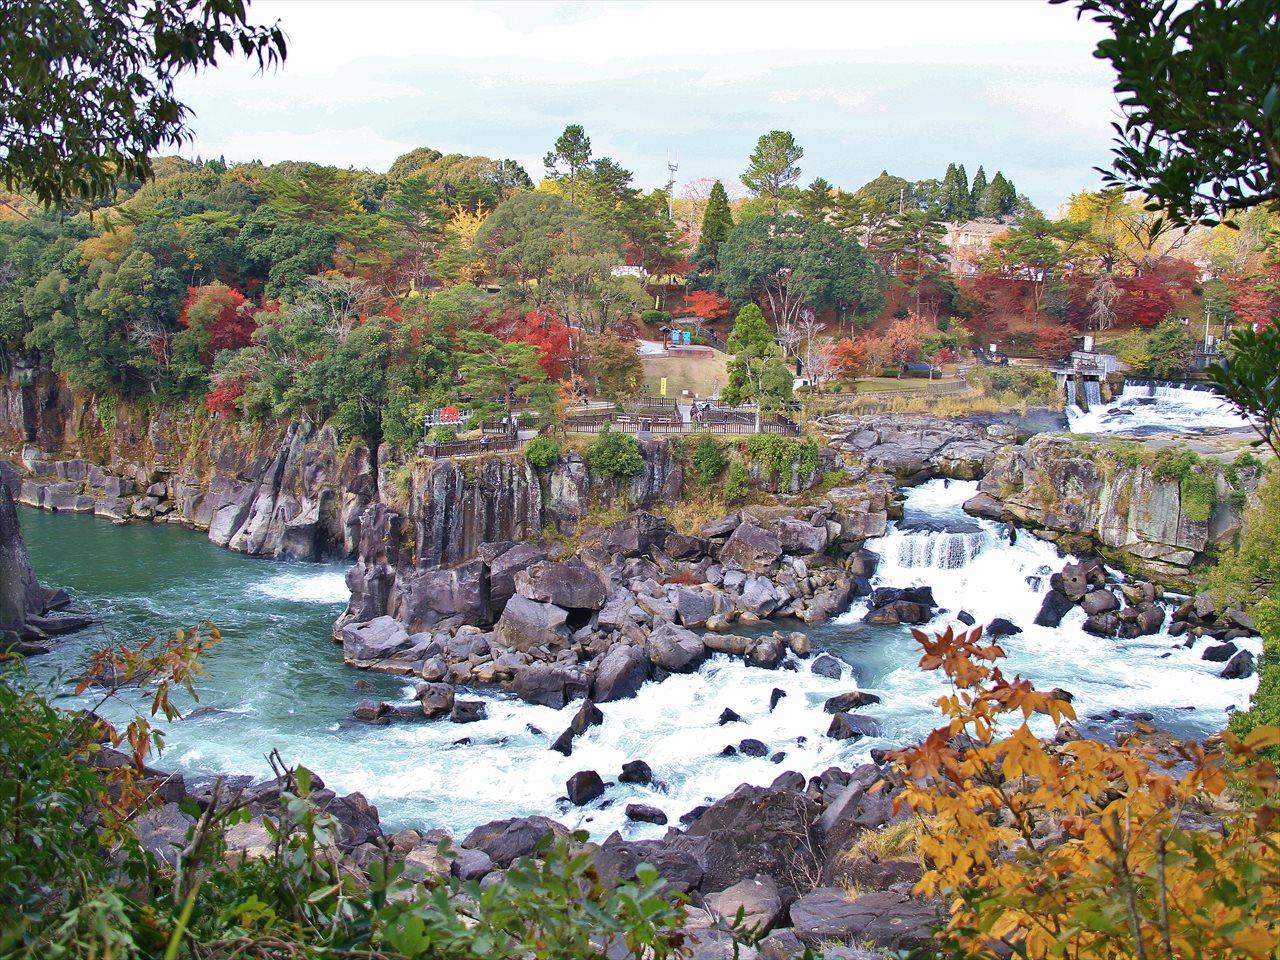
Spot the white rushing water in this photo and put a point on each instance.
(1148, 408)
(275, 682)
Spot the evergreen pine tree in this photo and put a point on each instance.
(999, 199)
(717, 221)
(976, 191)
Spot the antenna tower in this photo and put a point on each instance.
(673, 164)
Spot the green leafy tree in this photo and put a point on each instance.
(873, 206)
(495, 373)
(816, 200)
(87, 90)
(1163, 352)
(709, 460)
(542, 451)
(615, 455)
(611, 366)
(915, 240)
(771, 168)
(717, 221)
(1197, 84)
(795, 264)
(976, 191)
(570, 157)
(1248, 379)
(1000, 199)
(757, 373)
(955, 193)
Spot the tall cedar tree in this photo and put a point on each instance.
(771, 168)
(717, 221)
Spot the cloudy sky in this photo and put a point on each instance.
(907, 86)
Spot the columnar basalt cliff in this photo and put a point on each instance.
(1092, 496)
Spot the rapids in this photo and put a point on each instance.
(1144, 408)
(277, 681)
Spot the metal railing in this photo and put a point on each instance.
(625, 424)
(468, 448)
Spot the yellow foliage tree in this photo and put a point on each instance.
(458, 260)
(1081, 850)
(111, 245)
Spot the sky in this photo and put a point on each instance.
(863, 86)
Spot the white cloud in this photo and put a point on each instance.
(864, 86)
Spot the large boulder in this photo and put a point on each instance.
(752, 547)
(527, 623)
(758, 830)
(680, 859)
(1053, 608)
(1239, 667)
(505, 841)
(574, 586)
(694, 607)
(504, 567)
(550, 685)
(852, 726)
(757, 899)
(636, 535)
(1099, 601)
(374, 640)
(583, 787)
(886, 919)
(430, 596)
(800, 537)
(675, 649)
(620, 674)
(897, 612)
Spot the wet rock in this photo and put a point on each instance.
(730, 643)
(1102, 625)
(752, 748)
(468, 711)
(1220, 653)
(1000, 627)
(436, 699)
(645, 814)
(774, 696)
(844, 702)
(767, 652)
(583, 787)
(636, 771)
(757, 900)
(825, 665)
(1053, 608)
(1239, 667)
(550, 685)
(884, 919)
(728, 715)
(899, 612)
(374, 640)
(966, 618)
(1099, 601)
(694, 607)
(370, 711)
(852, 726)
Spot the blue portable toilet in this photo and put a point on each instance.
(688, 338)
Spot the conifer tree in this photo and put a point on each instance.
(976, 191)
(999, 199)
(955, 193)
(717, 221)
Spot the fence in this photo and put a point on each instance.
(629, 425)
(468, 448)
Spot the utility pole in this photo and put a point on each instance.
(673, 164)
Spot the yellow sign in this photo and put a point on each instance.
(662, 387)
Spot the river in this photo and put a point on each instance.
(277, 681)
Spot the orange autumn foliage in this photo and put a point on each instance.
(1083, 850)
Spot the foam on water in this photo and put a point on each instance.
(1157, 407)
(277, 682)
(303, 585)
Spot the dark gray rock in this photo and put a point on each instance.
(636, 771)
(436, 699)
(574, 586)
(620, 674)
(550, 685)
(825, 665)
(843, 702)
(852, 726)
(583, 787)
(374, 640)
(1053, 608)
(675, 649)
(1099, 601)
(1000, 627)
(1220, 653)
(505, 841)
(471, 865)
(728, 715)
(752, 548)
(752, 748)
(645, 814)
(468, 711)
(884, 919)
(1239, 667)
(757, 900)
(526, 624)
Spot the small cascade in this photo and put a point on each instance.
(941, 549)
(1071, 393)
(1147, 406)
(1092, 393)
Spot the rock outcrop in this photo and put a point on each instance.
(1089, 497)
(918, 447)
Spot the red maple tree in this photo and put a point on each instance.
(551, 336)
(222, 314)
(707, 304)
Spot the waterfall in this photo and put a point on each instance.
(938, 549)
(1092, 393)
(1071, 393)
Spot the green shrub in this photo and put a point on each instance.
(709, 460)
(654, 318)
(615, 455)
(442, 434)
(780, 453)
(738, 485)
(1199, 495)
(542, 452)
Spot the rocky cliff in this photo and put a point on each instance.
(1122, 501)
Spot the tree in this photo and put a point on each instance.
(999, 199)
(1032, 251)
(1102, 298)
(87, 90)
(873, 206)
(1197, 81)
(915, 240)
(850, 358)
(214, 317)
(771, 168)
(977, 190)
(1248, 379)
(757, 373)
(955, 194)
(707, 305)
(549, 334)
(793, 264)
(816, 200)
(717, 221)
(495, 373)
(611, 366)
(571, 155)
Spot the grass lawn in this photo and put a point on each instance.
(702, 376)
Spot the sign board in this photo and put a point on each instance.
(662, 387)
